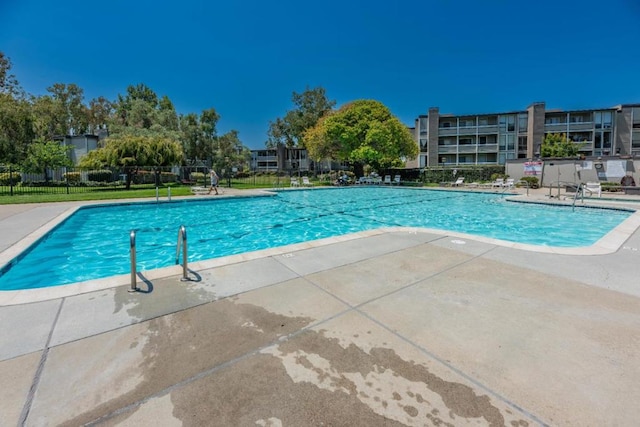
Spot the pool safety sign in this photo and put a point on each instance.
(533, 168)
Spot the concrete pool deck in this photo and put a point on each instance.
(388, 327)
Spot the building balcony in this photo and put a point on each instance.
(265, 158)
(581, 126)
(483, 130)
(555, 127)
(444, 149)
(488, 148)
(447, 131)
(467, 148)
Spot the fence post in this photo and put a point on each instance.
(11, 179)
(66, 176)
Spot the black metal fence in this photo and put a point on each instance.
(14, 181)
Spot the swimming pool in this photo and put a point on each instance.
(94, 241)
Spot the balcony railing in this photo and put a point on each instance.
(487, 129)
(443, 149)
(488, 148)
(447, 131)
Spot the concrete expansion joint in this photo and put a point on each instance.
(36, 378)
(441, 361)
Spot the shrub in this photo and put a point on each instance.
(103, 175)
(72, 177)
(197, 176)
(611, 187)
(532, 180)
(5, 179)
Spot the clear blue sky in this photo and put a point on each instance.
(245, 58)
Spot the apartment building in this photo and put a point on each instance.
(289, 159)
(493, 138)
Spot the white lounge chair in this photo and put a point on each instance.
(499, 182)
(295, 182)
(592, 188)
(387, 179)
(396, 180)
(198, 190)
(306, 182)
(509, 183)
(458, 182)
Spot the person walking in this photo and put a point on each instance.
(214, 181)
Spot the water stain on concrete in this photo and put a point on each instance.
(309, 379)
(184, 344)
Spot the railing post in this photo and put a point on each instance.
(132, 250)
(169, 193)
(182, 243)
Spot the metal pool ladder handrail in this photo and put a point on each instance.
(182, 243)
(132, 251)
(579, 191)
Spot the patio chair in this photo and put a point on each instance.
(509, 183)
(458, 182)
(499, 182)
(396, 180)
(199, 190)
(387, 179)
(306, 182)
(592, 188)
(295, 182)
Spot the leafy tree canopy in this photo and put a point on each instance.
(310, 106)
(141, 108)
(230, 152)
(363, 132)
(43, 155)
(8, 83)
(199, 135)
(557, 145)
(138, 114)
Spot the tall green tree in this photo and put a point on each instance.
(141, 113)
(16, 116)
(100, 113)
(68, 102)
(8, 82)
(363, 132)
(309, 107)
(557, 145)
(43, 155)
(199, 135)
(230, 153)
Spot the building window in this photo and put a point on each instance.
(465, 141)
(522, 143)
(635, 112)
(553, 120)
(467, 123)
(523, 122)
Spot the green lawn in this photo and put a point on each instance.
(98, 194)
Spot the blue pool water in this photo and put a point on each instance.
(94, 242)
